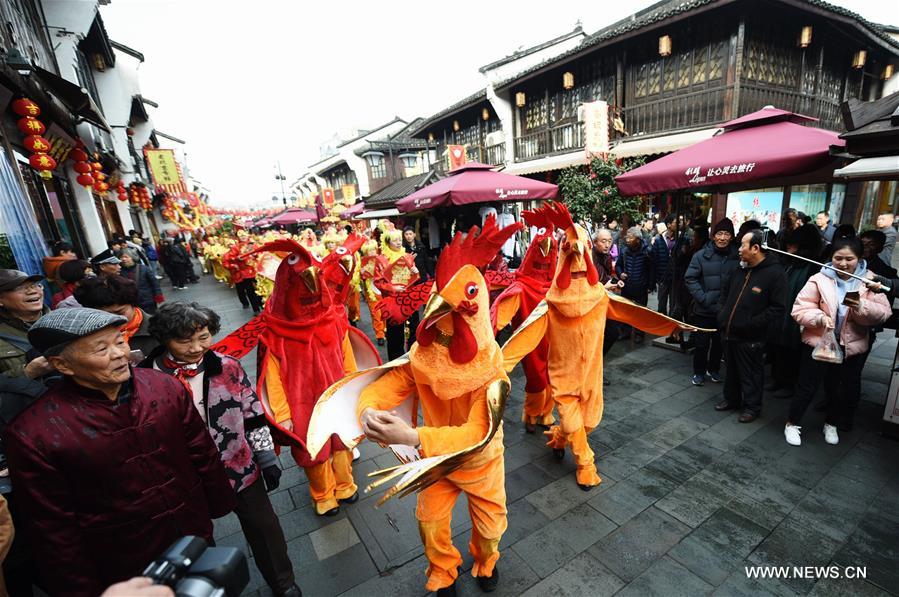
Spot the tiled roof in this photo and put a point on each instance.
(390, 194)
(578, 31)
(469, 101)
(670, 8)
(402, 139)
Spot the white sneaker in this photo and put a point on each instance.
(791, 432)
(830, 435)
(356, 454)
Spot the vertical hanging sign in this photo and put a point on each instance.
(596, 128)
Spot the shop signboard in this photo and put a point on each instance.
(596, 128)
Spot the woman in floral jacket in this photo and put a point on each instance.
(225, 398)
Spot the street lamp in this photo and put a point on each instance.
(280, 177)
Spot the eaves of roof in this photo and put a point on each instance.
(374, 130)
(672, 8)
(578, 31)
(389, 195)
(467, 102)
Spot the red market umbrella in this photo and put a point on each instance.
(352, 211)
(293, 215)
(476, 183)
(764, 148)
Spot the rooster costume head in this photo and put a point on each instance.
(576, 261)
(456, 319)
(539, 261)
(339, 265)
(300, 293)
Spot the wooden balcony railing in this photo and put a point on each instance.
(550, 141)
(756, 97)
(685, 111)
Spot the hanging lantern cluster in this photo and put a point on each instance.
(81, 165)
(121, 193)
(139, 196)
(34, 142)
(101, 187)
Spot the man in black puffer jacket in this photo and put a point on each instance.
(755, 298)
(707, 276)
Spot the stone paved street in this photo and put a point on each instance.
(689, 498)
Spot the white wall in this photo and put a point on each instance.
(510, 69)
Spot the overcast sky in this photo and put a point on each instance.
(248, 84)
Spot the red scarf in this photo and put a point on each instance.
(181, 371)
(132, 326)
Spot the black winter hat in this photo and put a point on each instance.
(725, 225)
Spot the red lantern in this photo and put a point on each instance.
(85, 180)
(100, 176)
(103, 187)
(26, 107)
(97, 166)
(36, 144)
(31, 126)
(82, 168)
(42, 162)
(78, 155)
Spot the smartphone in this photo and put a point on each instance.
(852, 299)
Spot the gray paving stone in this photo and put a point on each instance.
(408, 579)
(524, 519)
(333, 538)
(836, 505)
(874, 545)
(338, 573)
(718, 545)
(558, 497)
(631, 496)
(738, 584)
(794, 543)
(674, 432)
(666, 577)
(694, 501)
(636, 545)
(582, 575)
(762, 514)
(542, 551)
(845, 587)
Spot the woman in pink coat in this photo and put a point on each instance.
(823, 305)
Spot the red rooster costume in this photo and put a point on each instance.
(305, 345)
(532, 281)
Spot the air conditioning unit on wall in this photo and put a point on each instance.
(495, 138)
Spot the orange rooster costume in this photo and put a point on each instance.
(458, 373)
(578, 306)
(517, 302)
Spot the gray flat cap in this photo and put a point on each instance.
(53, 332)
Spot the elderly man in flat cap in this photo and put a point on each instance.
(111, 464)
(107, 264)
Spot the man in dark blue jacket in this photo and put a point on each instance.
(636, 269)
(708, 274)
(668, 251)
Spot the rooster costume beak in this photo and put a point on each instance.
(577, 248)
(545, 245)
(311, 277)
(436, 308)
(347, 263)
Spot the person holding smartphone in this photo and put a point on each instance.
(832, 301)
(224, 397)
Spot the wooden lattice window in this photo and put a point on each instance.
(535, 113)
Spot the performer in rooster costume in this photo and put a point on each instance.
(532, 281)
(395, 273)
(458, 373)
(578, 306)
(241, 265)
(368, 270)
(340, 269)
(305, 345)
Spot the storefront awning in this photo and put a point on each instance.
(880, 168)
(377, 214)
(74, 97)
(663, 144)
(555, 162)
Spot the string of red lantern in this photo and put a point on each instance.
(101, 187)
(34, 141)
(81, 165)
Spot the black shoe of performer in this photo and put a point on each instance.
(559, 454)
(488, 583)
